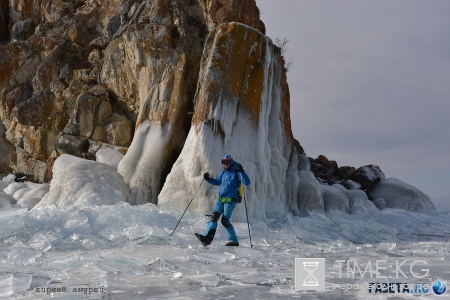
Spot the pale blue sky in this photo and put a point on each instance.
(370, 83)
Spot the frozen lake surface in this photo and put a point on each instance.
(125, 252)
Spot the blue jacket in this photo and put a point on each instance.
(227, 181)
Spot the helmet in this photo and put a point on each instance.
(227, 159)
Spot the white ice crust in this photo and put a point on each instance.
(142, 165)
(398, 194)
(109, 156)
(77, 181)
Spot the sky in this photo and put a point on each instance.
(370, 83)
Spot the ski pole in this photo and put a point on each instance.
(248, 224)
(187, 207)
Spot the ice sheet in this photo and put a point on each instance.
(127, 251)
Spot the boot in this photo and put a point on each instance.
(211, 234)
(232, 244)
(203, 239)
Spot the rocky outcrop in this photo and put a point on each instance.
(174, 85)
(370, 179)
(328, 172)
(96, 70)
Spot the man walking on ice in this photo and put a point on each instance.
(230, 180)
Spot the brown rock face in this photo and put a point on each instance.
(35, 111)
(226, 11)
(8, 157)
(4, 22)
(238, 56)
(88, 70)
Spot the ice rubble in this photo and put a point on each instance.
(20, 194)
(126, 250)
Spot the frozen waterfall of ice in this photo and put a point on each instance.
(265, 154)
(142, 165)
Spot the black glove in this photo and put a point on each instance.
(240, 168)
(206, 176)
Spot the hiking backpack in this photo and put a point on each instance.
(240, 189)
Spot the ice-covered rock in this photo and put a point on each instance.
(354, 197)
(142, 166)
(351, 185)
(77, 181)
(371, 207)
(4, 203)
(398, 194)
(334, 199)
(308, 195)
(109, 157)
(6, 197)
(3, 185)
(34, 190)
(359, 209)
(28, 202)
(379, 203)
(246, 117)
(358, 198)
(12, 188)
(366, 176)
(29, 196)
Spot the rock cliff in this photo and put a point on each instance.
(76, 74)
(174, 84)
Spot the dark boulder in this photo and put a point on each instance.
(345, 172)
(73, 145)
(366, 176)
